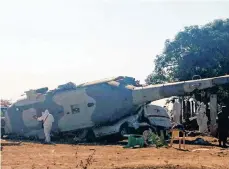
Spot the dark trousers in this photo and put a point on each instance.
(223, 137)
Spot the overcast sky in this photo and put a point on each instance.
(51, 42)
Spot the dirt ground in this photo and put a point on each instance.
(29, 155)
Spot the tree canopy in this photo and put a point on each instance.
(196, 50)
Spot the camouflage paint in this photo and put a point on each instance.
(72, 120)
(98, 103)
(17, 114)
(95, 103)
(112, 102)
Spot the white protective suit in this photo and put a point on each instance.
(202, 119)
(47, 119)
(176, 112)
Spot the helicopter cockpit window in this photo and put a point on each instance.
(75, 109)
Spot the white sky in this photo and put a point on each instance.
(51, 42)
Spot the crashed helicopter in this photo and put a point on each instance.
(98, 108)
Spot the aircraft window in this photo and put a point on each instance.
(75, 109)
(90, 104)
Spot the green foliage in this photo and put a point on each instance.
(158, 141)
(197, 50)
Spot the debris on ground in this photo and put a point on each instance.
(148, 139)
(64, 156)
(157, 141)
(193, 133)
(201, 141)
(134, 141)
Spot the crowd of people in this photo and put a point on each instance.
(202, 120)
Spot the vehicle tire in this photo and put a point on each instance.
(124, 129)
(142, 129)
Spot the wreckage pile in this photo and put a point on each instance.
(114, 106)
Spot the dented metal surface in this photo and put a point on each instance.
(99, 103)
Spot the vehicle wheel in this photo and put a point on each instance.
(142, 129)
(124, 129)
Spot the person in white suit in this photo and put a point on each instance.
(47, 119)
(176, 111)
(202, 118)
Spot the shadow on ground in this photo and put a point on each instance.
(192, 142)
(104, 142)
(19, 140)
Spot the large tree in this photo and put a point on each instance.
(197, 50)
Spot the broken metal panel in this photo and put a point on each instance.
(97, 103)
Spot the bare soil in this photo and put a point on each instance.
(28, 155)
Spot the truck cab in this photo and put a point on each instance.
(154, 117)
(157, 116)
(149, 116)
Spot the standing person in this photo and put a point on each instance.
(176, 111)
(223, 126)
(202, 119)
(47, 119)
